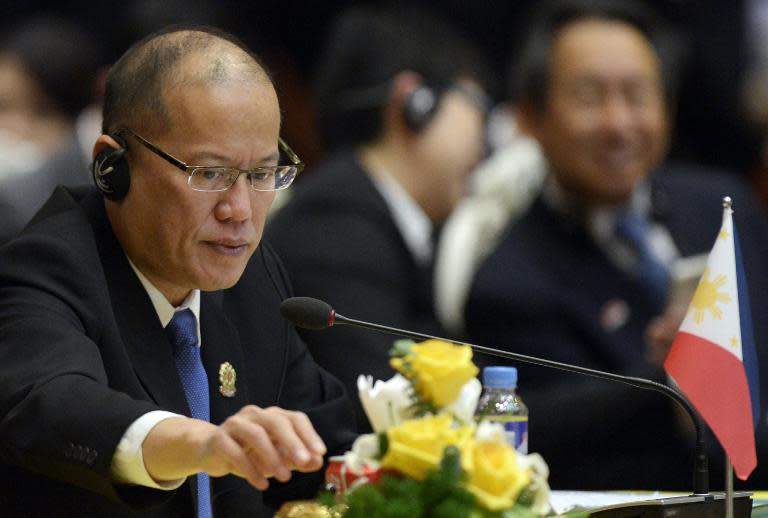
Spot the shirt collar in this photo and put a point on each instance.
(165, 309)
(414, 225)
(599, 222)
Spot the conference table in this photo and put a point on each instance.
(608, 504)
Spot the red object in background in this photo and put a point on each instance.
(339, 478)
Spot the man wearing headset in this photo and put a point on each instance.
(143, 362)
(402, 110)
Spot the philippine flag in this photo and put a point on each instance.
(713, 358)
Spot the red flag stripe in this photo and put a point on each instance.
(715, 382)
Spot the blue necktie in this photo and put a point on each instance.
(182, 332)
(651, 273)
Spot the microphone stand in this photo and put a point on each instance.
(728, 487)
(701, 504)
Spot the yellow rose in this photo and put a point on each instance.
(417, 445)
(438, 369)
(495, 477)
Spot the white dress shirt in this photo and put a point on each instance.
(414, 225)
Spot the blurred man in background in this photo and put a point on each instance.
(47, 69)
(586, 275)
(402, 106)
(64, 59)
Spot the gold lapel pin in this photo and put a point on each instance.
(227, 378)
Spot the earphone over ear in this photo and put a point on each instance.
(419, 107)
(110, 171)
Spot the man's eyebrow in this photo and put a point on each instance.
(220, 159)
(271, 157)
(206, 155)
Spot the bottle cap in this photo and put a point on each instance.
(500, 377)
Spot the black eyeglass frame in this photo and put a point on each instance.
(191, 169)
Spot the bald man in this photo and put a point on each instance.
(144, 368)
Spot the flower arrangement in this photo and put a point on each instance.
(427, 455)
(424, 426)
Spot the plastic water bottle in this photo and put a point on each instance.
(500, 403)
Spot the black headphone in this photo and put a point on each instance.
(418, 107)
(110, 171)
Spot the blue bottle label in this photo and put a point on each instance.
(515, 430)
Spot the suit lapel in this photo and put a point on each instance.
(220, 345)
(148, 345)
(148, 348)
(588, 269)
(145, 339)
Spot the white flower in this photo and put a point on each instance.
(364, 452)
(539, 485)
(488, 431)
(385, 402)
(464, 406)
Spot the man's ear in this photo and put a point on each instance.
(109, 169)
(103, 142)
(402, 87)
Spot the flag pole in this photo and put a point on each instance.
(728, 204)
(728, 488)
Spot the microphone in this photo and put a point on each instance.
(311, 313)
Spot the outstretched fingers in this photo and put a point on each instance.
(229, 456)
(262, 443)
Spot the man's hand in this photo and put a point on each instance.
(256, 444)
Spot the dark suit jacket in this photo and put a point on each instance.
(83, 354)
(339, 243)
(548, 290)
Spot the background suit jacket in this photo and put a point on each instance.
(83, 354)
(22, 195)
(549, 291)
(339, 243)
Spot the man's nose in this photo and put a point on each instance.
(237, 200)
(617, 114)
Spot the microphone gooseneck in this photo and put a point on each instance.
(311, 313)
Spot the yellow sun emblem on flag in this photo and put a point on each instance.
(707, 297)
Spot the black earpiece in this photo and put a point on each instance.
(419, 107)
(110, 171)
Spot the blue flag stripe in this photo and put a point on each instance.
(748, 351)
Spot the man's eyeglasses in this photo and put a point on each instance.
(217, 179)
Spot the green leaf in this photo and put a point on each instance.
(440, 495)
(517, 511)
(401, 348)
(383, 444)
(364, 502)
(326, 498)
(442, 492)
(451, 461)
(452, 509)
